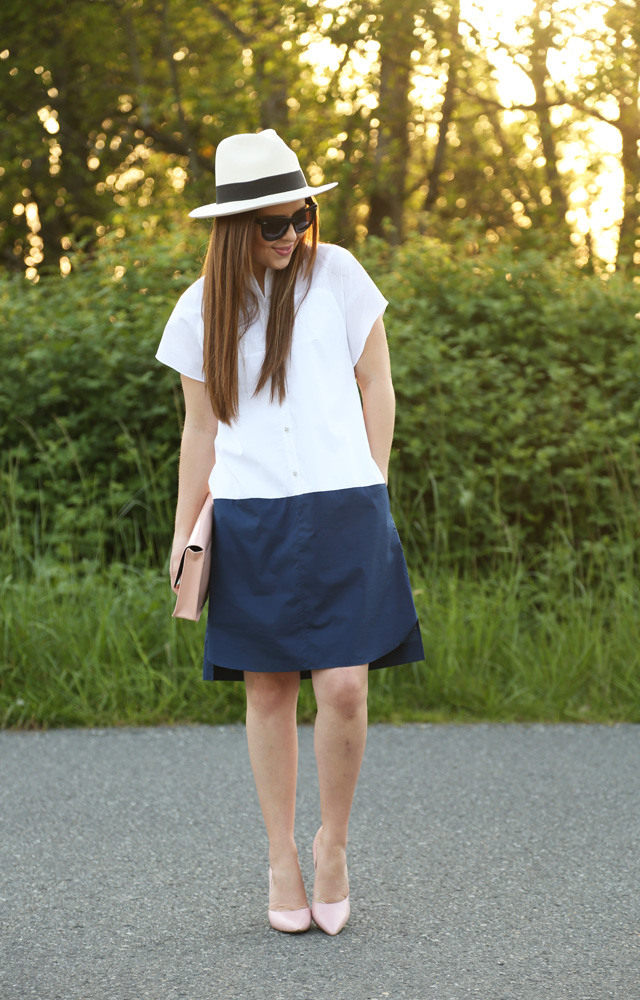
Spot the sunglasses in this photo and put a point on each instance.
(274, 227)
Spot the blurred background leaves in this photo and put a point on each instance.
(522, 118)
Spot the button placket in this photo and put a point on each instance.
(289, 444)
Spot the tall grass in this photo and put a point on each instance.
(99, 648)
(508, 635)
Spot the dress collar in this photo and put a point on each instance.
(268, 283)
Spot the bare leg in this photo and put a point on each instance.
(340, 736)
(272, 736)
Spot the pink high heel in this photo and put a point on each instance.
(330, 917)
(289, 921)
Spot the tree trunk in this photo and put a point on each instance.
(386, 204)
(542, 41)
(448, 105)
(183, 124)
(625, 21)
(629, 127)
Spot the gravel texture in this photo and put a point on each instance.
(488, 861)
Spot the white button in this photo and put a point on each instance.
(287, 429)
(294, 473)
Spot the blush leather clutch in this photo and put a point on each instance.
(192, 579)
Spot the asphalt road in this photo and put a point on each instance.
(498, 862)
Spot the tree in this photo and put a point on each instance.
(119, 105)
(123, 102)
(389, 140)
(614, 88)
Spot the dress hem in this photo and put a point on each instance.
(410, 650)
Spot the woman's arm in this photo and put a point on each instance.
(373, 372)
(197, 458)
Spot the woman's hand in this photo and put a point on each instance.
(177, 549)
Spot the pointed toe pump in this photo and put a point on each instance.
(330, 917)
(289, 921)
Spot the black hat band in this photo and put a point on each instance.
(260, 188)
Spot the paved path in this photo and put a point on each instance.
(494, 862)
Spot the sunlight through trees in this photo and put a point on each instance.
(518, 121)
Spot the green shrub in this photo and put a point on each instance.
(517, 380)
(518, 404)
(90, 422)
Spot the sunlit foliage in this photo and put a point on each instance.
(524, 119)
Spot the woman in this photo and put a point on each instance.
(308, 578)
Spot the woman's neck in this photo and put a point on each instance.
(259, 273)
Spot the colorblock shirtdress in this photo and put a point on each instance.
(307, 569)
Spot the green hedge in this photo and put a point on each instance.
(90, 421)
(517, 380)
(518, 395)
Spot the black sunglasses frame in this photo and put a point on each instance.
(285, 221)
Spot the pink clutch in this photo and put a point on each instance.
(193, 572)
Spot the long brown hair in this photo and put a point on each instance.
(229, 306)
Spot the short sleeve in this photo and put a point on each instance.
(363, 303)
(182, 343)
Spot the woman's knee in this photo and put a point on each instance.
(271, 693)
(344, 689)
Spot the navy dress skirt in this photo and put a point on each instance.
(316, 581)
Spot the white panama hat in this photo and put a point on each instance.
(256, 170)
